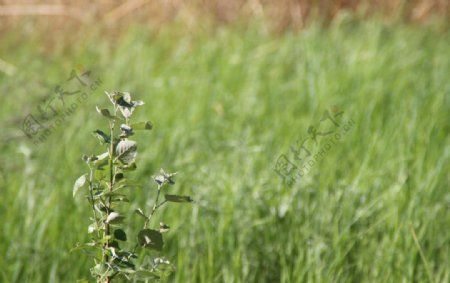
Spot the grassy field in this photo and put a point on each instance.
(225, 105)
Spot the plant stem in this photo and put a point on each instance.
(163, 202)
(91, 195)
(155, 206)
(111, 185)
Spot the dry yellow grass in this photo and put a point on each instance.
(281, 14)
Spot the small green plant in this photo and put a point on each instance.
(107, 186)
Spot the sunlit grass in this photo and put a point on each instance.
(225, 105)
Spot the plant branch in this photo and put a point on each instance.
(155, 206)
(111, 185)
(159, 205)
(91, 195)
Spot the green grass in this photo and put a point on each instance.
(225, 105)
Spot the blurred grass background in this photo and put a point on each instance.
(281, 14)
(228, 92)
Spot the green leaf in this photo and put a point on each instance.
(147, 275)
(105, 112)
(130, 167)
(100, 162)
(119, 234)
(102, 270)
(85, 247)
(100, 207)
(151, 239)
(126, 151)
(78, 184)
(124, 103)
(119, 176)
(114, 218)
(126, 130)
(128, 269)
(114, 244)
(115, 95)
(140, 212)
(176, 198)
(164, 178)
(102, 137)
(142, 126)
(138, 103)
(123, 99)
(116, 197)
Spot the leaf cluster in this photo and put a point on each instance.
(107, 193)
